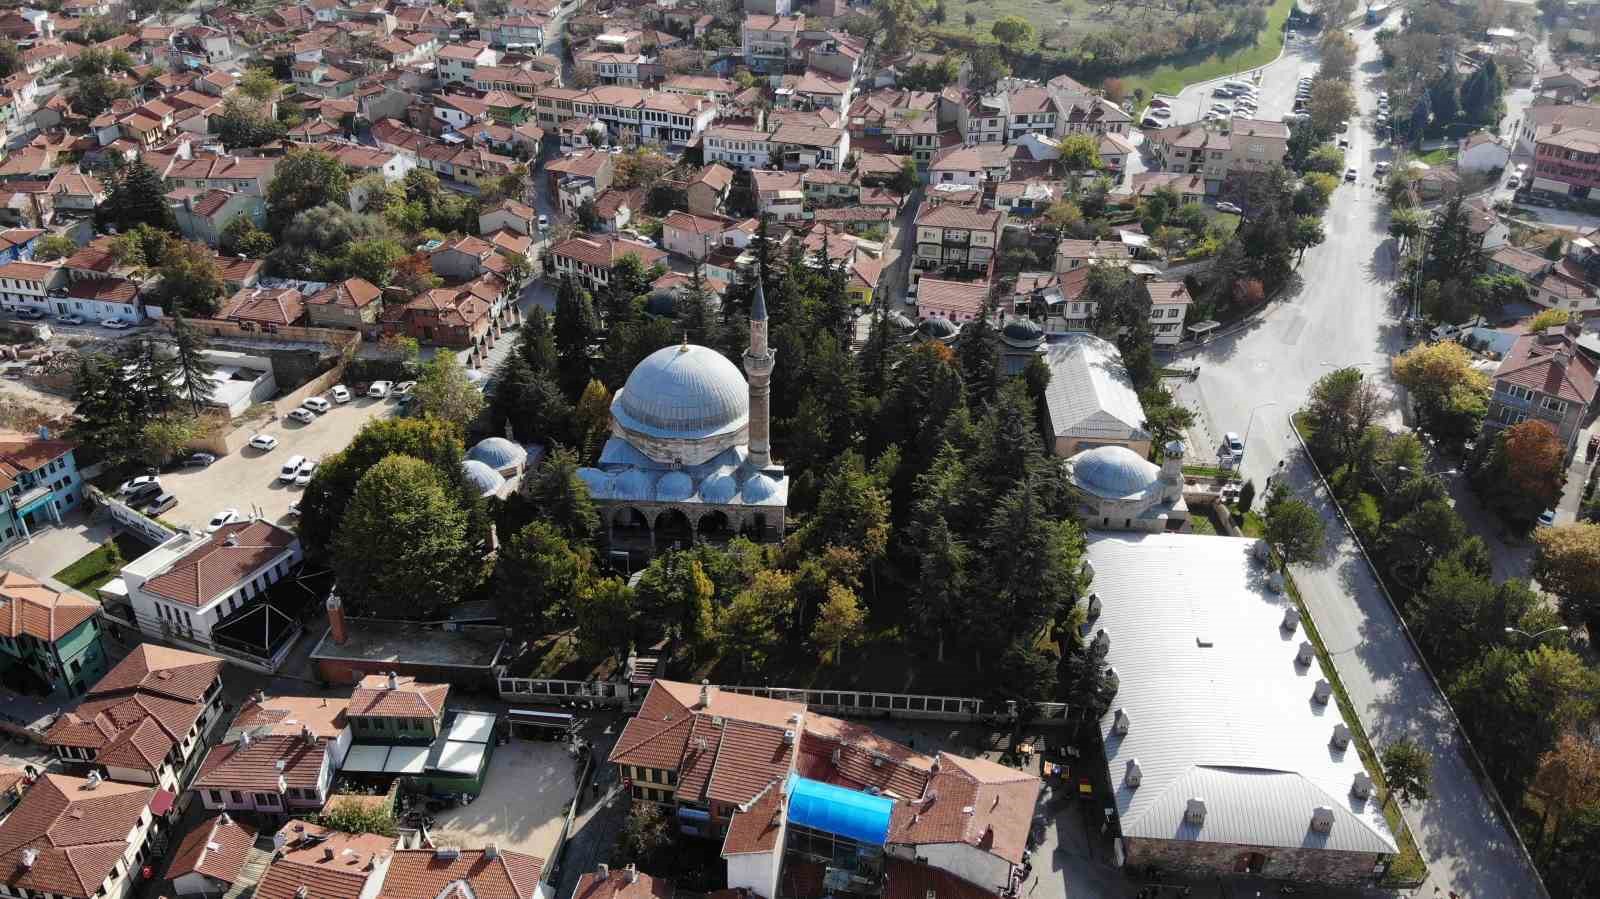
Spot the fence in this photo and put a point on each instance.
(144, 526)
(315, 387)
(838, 702)
(344, 339)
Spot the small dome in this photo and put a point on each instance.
(686, 391)
(635, 484)
(758, 489)
(476, 377)
(674, 486)
(498, 453)
(720, 489)
(1113, 472)
(939, 327)
(484, 479)
(1022, 332)
(900, 321)
(598, 482)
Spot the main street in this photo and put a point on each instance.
(1340, 313)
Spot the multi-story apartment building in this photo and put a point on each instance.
(1567, 162)
(1544, 376)
(956, 236)
(771, 43)
(1255, 144)
(146, 720)
(40, 482)
(519, 32)
(242, 174)
(52, 635)
(612, 68)
(651, 116)
(738, 146)
(1190, 150)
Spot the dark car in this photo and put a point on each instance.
(143, 492)
(161, 504)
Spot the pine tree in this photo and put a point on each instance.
(536, 345)
(193, 370)
(979, 352)
(576, 331)
(135, 195)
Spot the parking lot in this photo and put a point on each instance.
(524, 801)
(249, 477)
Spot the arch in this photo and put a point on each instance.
(716, 525)
(673, 528)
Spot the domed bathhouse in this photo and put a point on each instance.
(1119, 490)
(689, 456)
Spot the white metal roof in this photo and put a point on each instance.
(472, 727)
(1218, 706)
(1090, 395)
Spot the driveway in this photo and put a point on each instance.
(249, 478)
(523, 804)
(54, 548)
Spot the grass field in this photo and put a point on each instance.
(1203, 65)
(100, 564)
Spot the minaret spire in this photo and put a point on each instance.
(758, 363)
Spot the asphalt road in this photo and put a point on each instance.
(1340, 312)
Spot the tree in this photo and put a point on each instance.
(163, 437)
(1013, 32)
(246, 123)
(646, 832)
(1408, 769)
(353, 816)
(591, 419)
(258, 84)
(242, 236)
(403, 546)
(1515, 704)
(305, 179)
(537, 575)
(1460, 611)
(1568, 778)
(1308, 233)
(1165, 418)
(1326, 158)
(443, 392)
(839, 623)
(1567, 563)
(1080, 153)
(1332, 102)
(988, 66)
(747, 628)
(1343, 405)
(193, 369)
(675, 593)
(134, 195)
(1445, 387)
(641, 167)
(10, 58)
(1338, 57)
(191, 283)
(907, 180)
(108, 410)
(1405, 225)
(54, 246)
(95, 92)
(559, 496)
(1536, 460)
(897, 21)
(605, 615)
(576, 331)
(1293, 527)
(1548, 318)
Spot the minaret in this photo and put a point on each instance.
(758, 362)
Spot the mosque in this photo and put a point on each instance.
(690, 457)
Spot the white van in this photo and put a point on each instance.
(1238, 85)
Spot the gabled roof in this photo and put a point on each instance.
(29, 607)
(77, 831)
(352, 293)
(958, 215)
(216, 848)
(261, 715)
(1535, 361)
(400, 697)
(233, 554)
(476, 873)
(958, 296)
(1090, 394)
(623, 884)
(306, 861)
(279, 307)
(255, 764)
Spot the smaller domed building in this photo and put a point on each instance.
(1119, 490)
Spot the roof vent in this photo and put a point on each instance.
(705, 693)
(602, 871)
(1120, 722)
(837, 752)
(327, 853)
(632, 873)
(788, 738)
(283, 785)
(968, 810)
(394, 681)
(1291, 620)
(281, 764)
(877, 761)
(224, 821)
(1322, 819)
(1113, 679)
(1135, 774)
(1307, 651)
(1341, 736)
(1195, 811)
(230, 540)
(93, 780)
(1322, 693)
(1361, 785)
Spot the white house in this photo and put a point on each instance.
(28, 284)
(459, 62)
(1482, 151)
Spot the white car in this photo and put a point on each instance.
(340, 393)
(317, 404)
(544, 222)
(136, 484)
(379, 389)
(1381, 168)
(1160, 113)
(264, 442)
(291, 468)
(1230, 208)
(116, 324)
(303, 415)
(70, 319)
(226, 516)
(1344, 143)
(304, 476)
(1513, 182)
(403, 388)
(1234, 443)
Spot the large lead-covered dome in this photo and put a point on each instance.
(683, 404)
(1113, 472)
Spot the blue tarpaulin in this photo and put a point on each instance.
(839, 810)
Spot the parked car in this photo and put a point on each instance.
(129, 486)
(1151, 122)
(1229, 208)
(403, 388)
(303, 415)
(291, 468)
(294, 510)
(117, 324)
(1445, 331)
(1513, 182)
(1381, 168)
(161, 504)
(143, 492)
(226, 516)
(1344, 143)
(303, 477)
(317, 404)
(1160, 113)
(264, 442)
(29, 313)
(199, 460)
(1547, 518)
(1234, 443)
(379, 389)
(340, 393)
(69, 319)
(544, 222)
(1350, 174)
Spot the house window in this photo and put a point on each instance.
(236, 797)
(1552, 404)
(1509, 416)
(270, 799)
(215, 796)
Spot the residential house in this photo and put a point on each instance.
(1169, 304)
(1256, 144)
(1191, 150)
(511, 215)
(102, 299)
(693, 236)
(1071, 254)
(779, 194)
(460, 62)
(17, 244)
(49, 639)
(713, 87)
(628, 69)
(1546, 377)
(955, 236)
(1482, 151)
(243, 174)
(458, 317)
(1544, 120)
(771, 42)
(40, 482)
(1567, 84)
(195, 585)
(456, 112)
(524, 83)
(204, 215)
(1554, 284)
(212, 857)
(738, 146)
(390, 707)
(709, 189)
(810, 146)
(323, 80)
(971, 165)
(616, 208)
(27, 285)
(278, 757)
(76, 838)
(525, 33)
(584, 175)
(146, 720)
(651, 116)
(588, 260)
(264, 308)
(1189, 188)
(327, 864)
(1090, 401)
(955, 301)
(1028, 198)
(351, 303)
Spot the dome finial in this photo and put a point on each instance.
(684, 347)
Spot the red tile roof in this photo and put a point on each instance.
(307, 863)
(962, 297)
(262, 715)
(216, 848)
(1001, 801)
(1533, 363)
(618, 886)
(255, 764)
(232, 554)
(29, 607)
(908, 880)
(756, 828)
(605, 251)
(257, 304)
(77, 831)
(374, 697)
(163, 671)
(499, 875)
(953, 215)
(353, 293)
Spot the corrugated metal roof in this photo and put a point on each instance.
(1219, 708)
(1090, 394)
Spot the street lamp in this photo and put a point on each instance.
(1559, 629)
(1247, 425)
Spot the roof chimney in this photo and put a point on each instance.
(1322, 819)
(1361, 785)
(327, 853)
(705, 694)
(1119, 723)
(1094, 602)
(336, 625)
(223, 820)
(1291, 619)
(29, 856)
(394, 681)
(632, 873)
(1102, 640)
(1134, 775)
(92, 781)
(602, 871)
(1195, 811)
(1341, 736)
(1307, 651)
(491, 851)
(1322, 693)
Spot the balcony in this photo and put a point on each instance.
(31, 497)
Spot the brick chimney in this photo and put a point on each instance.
(336, 626)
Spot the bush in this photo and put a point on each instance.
(1365, 517)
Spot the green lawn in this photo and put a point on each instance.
(1441, 156)
(101, 564)
(1205, 64)
(1208, 471)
